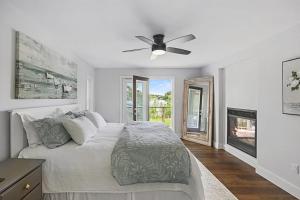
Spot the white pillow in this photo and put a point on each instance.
(80, 129)
(32, 136)
(96, 118)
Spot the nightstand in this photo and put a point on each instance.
(22, 179)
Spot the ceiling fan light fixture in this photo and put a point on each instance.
(158, 46)
(159, 52)
(159, 49)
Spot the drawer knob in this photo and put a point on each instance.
(27, 187)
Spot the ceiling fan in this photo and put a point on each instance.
(159, 47)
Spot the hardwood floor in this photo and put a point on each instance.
(239, 177)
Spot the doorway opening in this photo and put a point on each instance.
(147, 99)
(161, 101)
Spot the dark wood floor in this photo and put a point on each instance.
(239, 177)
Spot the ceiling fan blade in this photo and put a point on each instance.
(144, 39)
(131, 50)
(153, 56)
(185, 38)
(178, 51)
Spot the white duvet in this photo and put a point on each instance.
(86, 168)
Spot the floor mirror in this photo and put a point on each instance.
(198, 110)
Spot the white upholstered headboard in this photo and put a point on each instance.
(18, 140)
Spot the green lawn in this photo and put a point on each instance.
(166, 122)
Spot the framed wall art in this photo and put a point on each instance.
(41, 73)
(291, 86)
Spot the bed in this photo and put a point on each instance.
(75, 172)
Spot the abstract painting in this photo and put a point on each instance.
(42, 73)
(291, 86)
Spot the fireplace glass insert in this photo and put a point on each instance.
(241, 130)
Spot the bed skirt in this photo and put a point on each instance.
(157, 195)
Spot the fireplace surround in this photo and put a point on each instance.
(242, 130)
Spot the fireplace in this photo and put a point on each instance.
(241, 130)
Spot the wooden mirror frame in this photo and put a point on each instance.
(201, 139)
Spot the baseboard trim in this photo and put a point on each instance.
(218, 145)
(241, 155)
(267, 174)
(280, 182)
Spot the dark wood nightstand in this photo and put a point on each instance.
(22, 179)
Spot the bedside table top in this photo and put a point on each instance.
(12, 170)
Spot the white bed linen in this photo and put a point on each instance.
(153, 195)
(86, 168)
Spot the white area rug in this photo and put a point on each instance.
(213, 188)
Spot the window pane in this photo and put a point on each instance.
(127, 100)
(141, 100)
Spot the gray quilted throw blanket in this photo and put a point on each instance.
(149, 152)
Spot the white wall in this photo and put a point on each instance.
(218, 74)
(253, 81)
(241, 89)
(107, 90)
(10, 20)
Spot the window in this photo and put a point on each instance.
(89, 94)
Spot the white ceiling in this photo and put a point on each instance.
(98, 30)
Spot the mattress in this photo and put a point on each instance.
(86, 169)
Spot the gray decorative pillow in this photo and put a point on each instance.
(73, 115)
(51, 131)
